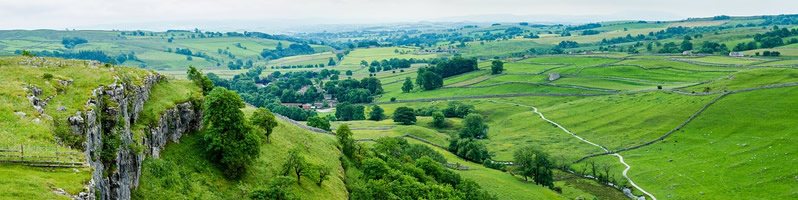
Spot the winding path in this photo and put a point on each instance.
(534, 109)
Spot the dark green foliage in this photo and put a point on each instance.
(407, 85)
(398, 170)
(292, 50)
(474, 127)
(228, 139)
(47, 76)
(296, 164)
(469, 149)
(200, 80)
(431, 78)
(377, 113)
(404, 115)
(319, 122)
(347, 112)
(438, 120)
(72, 42)
(687, 45)
(530, 162)
(265, 120)
(496, 67)
(344, 136)
(277, 189)
(322, 173)
(457, 109)
(568, 44)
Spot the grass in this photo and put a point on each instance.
(578, 61)
(515, 67)
(738, 148)
(513, 88)
(165, 96)
(183, 172)
(23, 182)
(653, 75)
(490, 49)
(750, 79)
(727, 60)
(613, 84)
(14, 78)
(676, 64)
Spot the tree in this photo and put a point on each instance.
(295, 163)
(229, 140)
(376, 113)
(408, 85)
(323, 173)
(687, 45)
(404, 115)
(319, 122)
(438, 119)
(202, 81)
(531, 162)
(349, 72)
(344, 136)
(469, 149)
(331, 62)
(496, 67)
(264, 119)
(474, 127)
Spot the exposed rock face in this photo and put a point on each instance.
(115, 109)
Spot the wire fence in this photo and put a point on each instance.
(39, 156)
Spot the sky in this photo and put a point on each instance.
(162, 14)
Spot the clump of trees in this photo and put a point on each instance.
(347, 112)
(530, 162)
(71, 42)
(394, 168)
(292, 50)
(377, 113)
(354, 91)
(319, 122)
(430, 78)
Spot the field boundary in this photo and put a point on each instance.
(42, 156)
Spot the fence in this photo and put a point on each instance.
(42, 156)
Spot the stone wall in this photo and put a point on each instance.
(113, 110)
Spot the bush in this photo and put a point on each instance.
(393, 99)
(47, 76)
(438, 120)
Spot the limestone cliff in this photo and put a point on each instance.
(113, 150)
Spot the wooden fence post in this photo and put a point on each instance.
(21, 152)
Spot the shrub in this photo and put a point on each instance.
(47, 76)
(404, 115)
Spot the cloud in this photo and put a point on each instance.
(59, 14)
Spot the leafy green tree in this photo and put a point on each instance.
(469, 149)
(296, 163)
(687, 45)
(496, 67)
(345, 140)
(438, 119)
(277, 189)
(404, 115)
(319, 122)
(408, 85)
(200, 80)
(331, 62)
(264, 119)
(364, 63)
(474, 127)
(322, 172)
(531, 162)
(349, 72)
(228, 138)
(376, 113)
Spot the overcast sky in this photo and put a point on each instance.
(60, 14)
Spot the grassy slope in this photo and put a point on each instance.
(740, 147)
(23, 182)
(750, 79)
(184, 173)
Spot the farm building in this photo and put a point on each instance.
(736, 54)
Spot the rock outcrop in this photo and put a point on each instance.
(114, 109)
